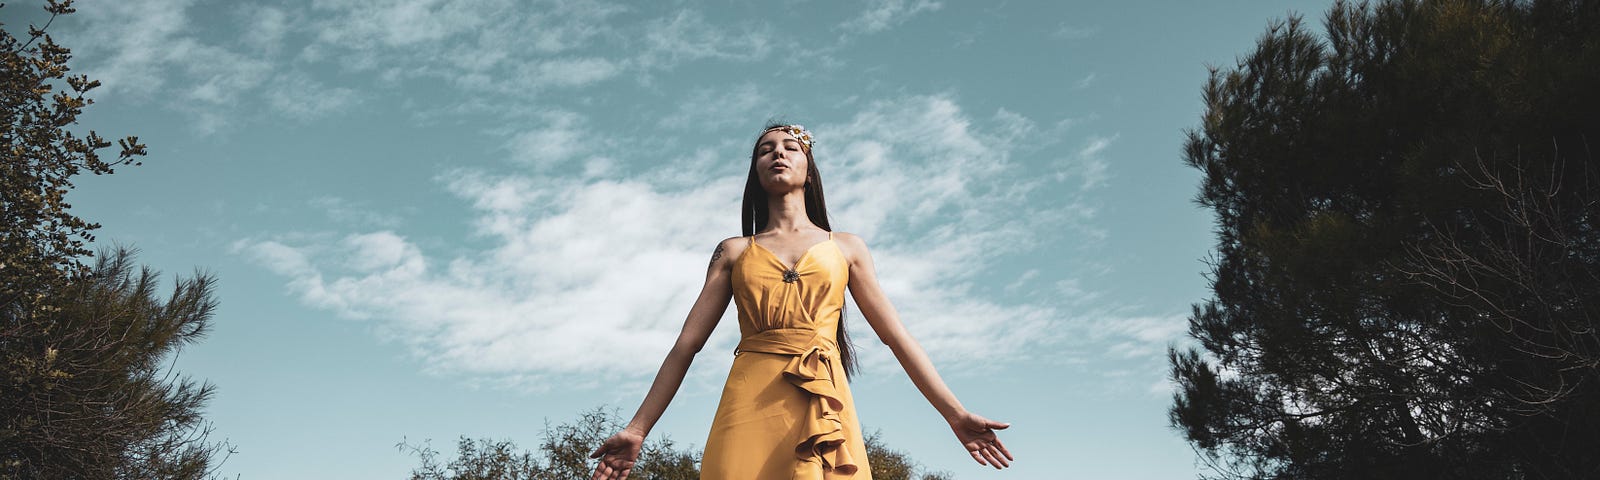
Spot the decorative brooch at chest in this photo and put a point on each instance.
(790, 276)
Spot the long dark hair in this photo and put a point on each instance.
(754, 219)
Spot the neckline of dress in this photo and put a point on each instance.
(797, 262)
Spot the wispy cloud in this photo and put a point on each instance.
(881, 15)
(686, 36)
(714, 107)
(299, 96)
(354, 213)
(265, 27)
(1074, 32)
(577, 282)
(499, 56)
(150, 49)
(561, 138)
(1085, 82)
(365, 24)
(593, 275)
(575, 242)
(1087, 164)
(572, 72)
(1140, 336)
(1133, 349)
(131, 44)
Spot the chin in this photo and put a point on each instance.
(781, 187)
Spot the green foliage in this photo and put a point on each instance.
(564, 454)
(476, 460)
(40, 240)
(890, 464)
(86, 390)
(1408, 272)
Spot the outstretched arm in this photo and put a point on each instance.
(975, 432)
(619, 453)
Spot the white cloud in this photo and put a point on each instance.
(498, 56)
(130, 43)
(220, 76)
(561, 139)
(277, 257)
(570, 72)
(346, 212)
(715, 107)
(1072, 291)
(883, 14)
(568, 25)
(298, 95)
(1073, 32)
(265, 27)
(594, 275)
(149, 49)
(402, 23)
(135, 47)
(1143, 337)
(686, 36)
(584, 277)
(1085, 82)
(1087, 164)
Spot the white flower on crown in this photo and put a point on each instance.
(800, 133)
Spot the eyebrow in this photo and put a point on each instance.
(769, 142)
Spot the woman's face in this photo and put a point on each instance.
(780, 162)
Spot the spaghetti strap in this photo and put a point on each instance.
(830, 235)
(752, 240)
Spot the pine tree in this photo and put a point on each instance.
(85, 387)
(1407, 279)
(88, 392)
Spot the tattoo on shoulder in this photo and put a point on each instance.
(715, 255)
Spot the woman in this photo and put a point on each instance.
(786, 410)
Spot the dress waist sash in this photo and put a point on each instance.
(811, 370)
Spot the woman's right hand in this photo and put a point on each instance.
(977, 435)
(617, 455)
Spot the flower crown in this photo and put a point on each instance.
(800, 133)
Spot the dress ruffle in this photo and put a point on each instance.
(811, 370)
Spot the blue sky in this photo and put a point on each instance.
(434, 218)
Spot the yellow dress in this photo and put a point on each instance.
(786, 410)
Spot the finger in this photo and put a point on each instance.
(619, 466)
(624, 475)
(1002, 446)
(994, 452)
(987, 455)
(977, 457)
(601, 472)
(599, 451)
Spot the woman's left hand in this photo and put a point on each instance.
(977, 434)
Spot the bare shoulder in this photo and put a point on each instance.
(854, 248)
(727, 250)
